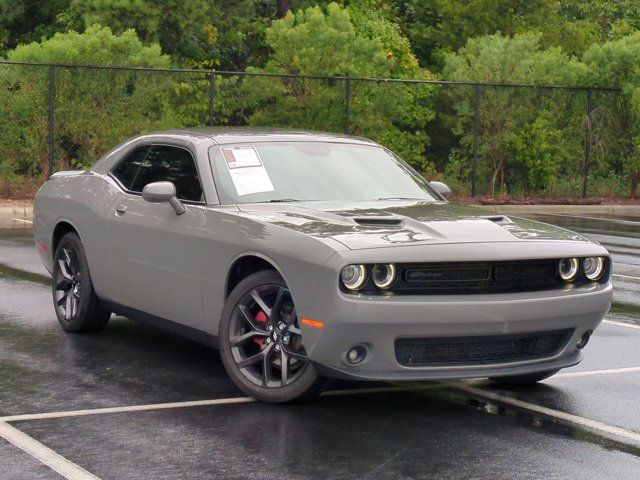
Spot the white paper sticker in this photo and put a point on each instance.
(247, 170)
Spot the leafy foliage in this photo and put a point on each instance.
(514, 119)
(618, 59)
(312, 43)
(94, 108)
(530, 140)
(24, 21)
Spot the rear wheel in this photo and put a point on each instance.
(76, 304)
(261, 342)
(522, 380)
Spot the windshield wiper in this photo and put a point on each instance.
(282, 200)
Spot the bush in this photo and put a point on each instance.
(94, 109)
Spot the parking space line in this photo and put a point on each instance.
(132, 408)
(630, 277)
(622, 324)
(22, 220)
(589, 373)
(609, 431)
(44, 454)
(194, 403)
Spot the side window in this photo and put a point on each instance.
(164, 163)
(128, 167)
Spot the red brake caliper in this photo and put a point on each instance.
(260, 317)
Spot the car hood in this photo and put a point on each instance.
(358, 225)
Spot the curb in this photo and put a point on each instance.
(24, 212)
(609, 210)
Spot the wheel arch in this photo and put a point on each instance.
(60, 230)
(247, 264)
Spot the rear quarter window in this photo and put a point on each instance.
(128, 167)
(156, 163)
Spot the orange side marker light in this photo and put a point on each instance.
(312, 323)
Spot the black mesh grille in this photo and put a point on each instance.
(478, 277)
(480, 350)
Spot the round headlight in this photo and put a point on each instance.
(353, 276)
(593, 267)
(384, 275)
(568, 268)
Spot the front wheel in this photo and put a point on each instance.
(523, 380)
(77, 306)
(261, 342)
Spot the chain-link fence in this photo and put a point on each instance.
(483, 139)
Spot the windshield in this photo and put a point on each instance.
(307, 171)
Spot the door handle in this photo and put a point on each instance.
(121, 209)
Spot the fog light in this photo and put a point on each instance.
(584, 340)
(356, 354)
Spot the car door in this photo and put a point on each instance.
(154, 251)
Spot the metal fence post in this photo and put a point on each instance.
(52, 74)
(347, 108)
(474, 167)
(587, 146)
(212, 95)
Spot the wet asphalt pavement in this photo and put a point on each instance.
(582, 423)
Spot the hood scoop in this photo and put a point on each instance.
(498, 219)
(384, 222)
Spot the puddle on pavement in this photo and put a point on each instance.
(598, 225)
(537, 421)
(10, 272)
(626, 312)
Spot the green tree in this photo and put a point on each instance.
(606, 20)
(438, 27)
(617, 61)
(94, 109)
(224, 34)
(311, 42)
(23, 21)
(506, 115)
(183, 29)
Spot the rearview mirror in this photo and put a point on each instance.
(160, 192)
(441, 188)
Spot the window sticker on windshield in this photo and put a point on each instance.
(247, 170)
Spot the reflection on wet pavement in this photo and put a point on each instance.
(407, 435)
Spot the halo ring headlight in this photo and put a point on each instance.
(568, 268)
(593, 267)
(353, 277)
(384, 274)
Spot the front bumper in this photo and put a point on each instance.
(377, 321)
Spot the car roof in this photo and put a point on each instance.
(228, 135)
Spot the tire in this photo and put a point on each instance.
(254, 348)
(76, 304)
(523, 380)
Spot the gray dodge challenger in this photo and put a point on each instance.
(305, 256)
